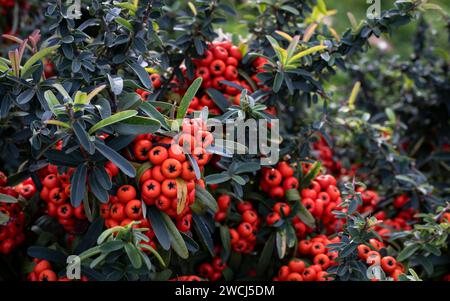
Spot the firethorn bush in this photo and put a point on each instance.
(126, 141)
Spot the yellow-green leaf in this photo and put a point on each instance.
(58, 123)
(353, 95)
(112, 119)
(124, 23)
(94, 93)
(36, 57)
(306, 52)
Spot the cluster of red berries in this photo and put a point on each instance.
(125, 208)
(56, 193)
(279, 210)
(212, 271)
(297, 270)
(243, 239)
(369, 200)
(43, 271)
(325, 155)
(220, 63)
(400, 201)
(321, 198)
(275, 181)
(172, 168)
(7, 5)
(316, 251)
(223, 204)
(371, 256)
(11, 233)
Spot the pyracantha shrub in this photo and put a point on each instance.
(119, 130)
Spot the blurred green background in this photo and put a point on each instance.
(400, 40)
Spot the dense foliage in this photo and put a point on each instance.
(107, 147)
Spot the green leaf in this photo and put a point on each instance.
(205, 198)
(217, 178)
(94, 93)
(407, 179)
(63, 92)
(246, 167)
(426, 263)
(266, 255)
(111, 246)
(116, 158)
(4, 198)
(407, 252)
(25, 96)
(154, 252)
(226, 242)
(432, 249)
(138, 125)
(124, 23)
(78, 185)
(276, 47)
(36, 57)
(188, 96)
(306, 52)
(347, 250)
(177, 241)
(89, 239)
(58, 123)
(51, 99)
(142, 74)
(290, 9)
(219, 99)
(151, 111)
(83, 137)
(47, 254)
(292, 195)
(203, 232)
(4, 218)
(238, 179)
(311, 175)
(279, 77)
(305, 216)
(133, 255)
(158, 225)
(390, 114)
(112, 119)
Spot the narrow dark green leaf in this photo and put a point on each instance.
(151, 111)
(205, 198)
(203, 232)
(266, 255)
(78, 185)
(226, 242)
(83, 137)
(407, 252)
(188, 96)
(155, 219)
(177, 241)
(219, 99)
(115, 158)
(47, 254)
(90, 238)
(143, 75)
(133, 255)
